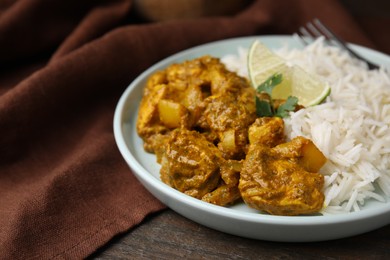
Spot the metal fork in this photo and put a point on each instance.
(317, 29)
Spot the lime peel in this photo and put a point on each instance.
(263, 63)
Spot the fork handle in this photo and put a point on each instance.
(331, 35)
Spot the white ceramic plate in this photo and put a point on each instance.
(239, 219)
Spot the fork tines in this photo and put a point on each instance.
(315, 29)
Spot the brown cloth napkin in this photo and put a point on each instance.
(64, 188)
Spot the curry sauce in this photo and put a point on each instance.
(200, 120)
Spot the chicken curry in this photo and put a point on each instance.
(200, 120)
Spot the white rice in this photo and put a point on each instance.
(352, 128)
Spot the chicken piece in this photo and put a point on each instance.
(223, 195)
(173, 97)
(227, 191)
(193, 72)
(148, 123)
(273, 180)
(198, 94)
(229, 115)
(194, 166)
(154, 91)
(228, 111)
(268, 131)
(223, 81)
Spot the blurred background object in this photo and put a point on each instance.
(164, 10)
(373, 17)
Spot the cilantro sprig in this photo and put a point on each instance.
(265, 106)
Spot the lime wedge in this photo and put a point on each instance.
(263, 63)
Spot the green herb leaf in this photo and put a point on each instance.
(268, 85)
(263, 108)
(288, 106)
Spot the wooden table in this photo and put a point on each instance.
(168, 235)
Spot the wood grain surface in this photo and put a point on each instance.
(168, 235)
